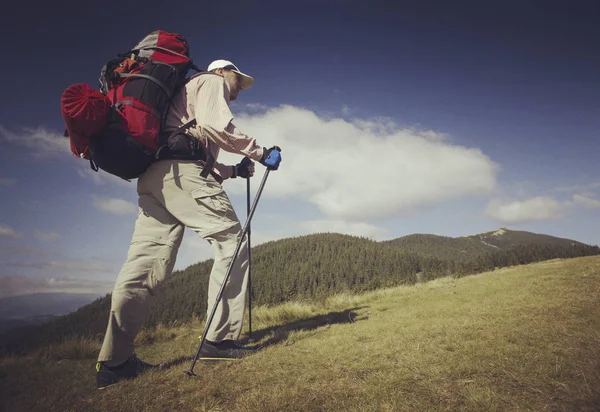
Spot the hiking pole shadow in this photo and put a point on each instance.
(281, 332)
(178, 361)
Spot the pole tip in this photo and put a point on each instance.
(190, 373)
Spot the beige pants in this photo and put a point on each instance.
(172, 194)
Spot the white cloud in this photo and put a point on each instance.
(23, 250)
(256, 107)
(346, 110)
(46, 236)
(9, 232)
(364, 169)
(193, 249)
(20, 285)
(586, 201)
(341, 226)
(380, 125)
(260, 235)
(39, 141)
(521, 211)
(67, 266)
(430, 135)
(574, 188)
(7, 182)
(114, 206)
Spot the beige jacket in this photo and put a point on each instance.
(206, 98)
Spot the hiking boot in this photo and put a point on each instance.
(224, 350)
(109, 375)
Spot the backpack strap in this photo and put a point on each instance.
(208, 167)
(155, 80)
(161, 49)
(164, 139)
(93, 165)
(207, 157)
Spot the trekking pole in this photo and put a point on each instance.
(249, 262)
(235, 254)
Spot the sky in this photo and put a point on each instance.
(394, 118)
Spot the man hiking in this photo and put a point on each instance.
(183, 189)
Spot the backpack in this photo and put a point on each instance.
(118, 129)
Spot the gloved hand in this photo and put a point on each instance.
(271, 158)
(244, 169)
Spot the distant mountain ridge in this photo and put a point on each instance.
(38, 308)
(443, 247)
(317, 266)
(504, 239)
(8, 324)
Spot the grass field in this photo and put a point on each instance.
(523, 338)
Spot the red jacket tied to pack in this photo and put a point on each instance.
(118, 128)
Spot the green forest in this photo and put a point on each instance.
(314, 267)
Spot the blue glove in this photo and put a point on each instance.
(271, 158)
(241, 169)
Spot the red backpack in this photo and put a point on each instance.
(118, 128)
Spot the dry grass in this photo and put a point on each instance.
(73, 349)
(517, 339)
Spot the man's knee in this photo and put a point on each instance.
(130, 308)
(147, 265)
(231, 235)
(237, 230)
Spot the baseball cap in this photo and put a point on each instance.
(245, 80)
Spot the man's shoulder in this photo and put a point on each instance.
(204, 78)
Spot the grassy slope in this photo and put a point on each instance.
(521, 338)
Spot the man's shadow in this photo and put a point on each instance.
(281, 332)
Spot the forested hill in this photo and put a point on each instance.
(450, 248)
(441, 247)
(315, 266)
(506, 239)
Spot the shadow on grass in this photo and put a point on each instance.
(281, 332)
(179, 361)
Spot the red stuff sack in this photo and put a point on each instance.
(85, 112)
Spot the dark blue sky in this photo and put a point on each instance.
(508, 67)
(517, 80)
(456, 61)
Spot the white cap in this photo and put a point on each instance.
(246, 81)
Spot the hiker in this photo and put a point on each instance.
(183, 189)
